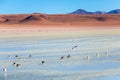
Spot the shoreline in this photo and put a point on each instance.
(15, 28)
(52, 32)
(56, 34)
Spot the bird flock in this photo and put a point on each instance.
(16, 64)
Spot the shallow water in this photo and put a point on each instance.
(77, 67)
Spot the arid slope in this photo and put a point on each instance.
(61, 19)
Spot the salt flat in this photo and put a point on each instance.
(50, 46)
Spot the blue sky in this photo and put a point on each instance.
(55, 6)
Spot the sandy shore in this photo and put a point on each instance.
(55, 31)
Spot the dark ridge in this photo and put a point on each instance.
(6, 20)
(29, 18)
(101, 19)
(3, 20)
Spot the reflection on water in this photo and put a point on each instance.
(5, 76)
(82, 65)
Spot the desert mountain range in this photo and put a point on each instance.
(81, 11)
(62, 19)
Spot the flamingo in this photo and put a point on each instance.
(61, 57)
(43, 62)
(68, 56)
(74, 47)
(4, 70)
(30, 56)
(97, 55)
(17, 65)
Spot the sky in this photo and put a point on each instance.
(55, 6)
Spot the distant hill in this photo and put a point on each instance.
(81, 11)
(100, 12)
(116, 11)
